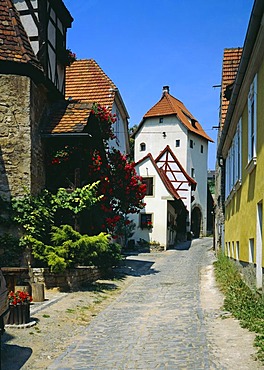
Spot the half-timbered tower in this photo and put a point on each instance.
(169, 122)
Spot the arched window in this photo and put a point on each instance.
(142, 147)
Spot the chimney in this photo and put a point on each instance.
(165, 89)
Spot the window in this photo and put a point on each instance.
(251, 251)
(252, 120)
(202, 149)
(228, 249)
(237, 250)
(233, 161)
(178, 143)
(192, 173)
(149, 182)
(146, 221)
(142, 147)
(191, 143)
(161, 120)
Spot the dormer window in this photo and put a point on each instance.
(193, 123)
(142, 147)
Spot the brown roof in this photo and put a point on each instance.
(14, 43)
(168, 105)
(68, 117)
(231, 60)
(86, 81)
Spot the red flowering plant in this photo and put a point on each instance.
(105, 120)
(19, 297)
(146, 225)
(62, 155)
(121, 188)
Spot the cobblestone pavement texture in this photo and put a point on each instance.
(168, 316)
(157, 323)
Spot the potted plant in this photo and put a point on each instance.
(146, 225)
(19, 306)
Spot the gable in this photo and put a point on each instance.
(86, 81)
(170, 106)
(162, 187)
(174, 172)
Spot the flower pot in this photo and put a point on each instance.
(19, 314)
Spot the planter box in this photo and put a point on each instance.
(19, 314)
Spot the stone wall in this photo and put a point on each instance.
(21, 107)
(39, 104)
(14, 134)
(68, 280)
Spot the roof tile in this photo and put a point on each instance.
(86, 83)
(14, 43)
(168, 105)
(68, 117)
(231, 60)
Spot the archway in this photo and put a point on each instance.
(196, 222)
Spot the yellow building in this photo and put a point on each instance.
(241, 151)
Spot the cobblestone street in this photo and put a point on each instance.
(156, 323)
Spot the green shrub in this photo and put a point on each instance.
(69, 248)
(245, 304)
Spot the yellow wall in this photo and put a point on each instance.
(241, 211)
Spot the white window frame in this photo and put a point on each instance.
(233, 170)
(252, 122)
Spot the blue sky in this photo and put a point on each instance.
(144, 45)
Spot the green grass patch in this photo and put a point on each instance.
(244, 304)
(70, 310)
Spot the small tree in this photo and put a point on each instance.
(121, 188)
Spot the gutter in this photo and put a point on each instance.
(253, 28)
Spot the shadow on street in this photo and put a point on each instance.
(13, 357)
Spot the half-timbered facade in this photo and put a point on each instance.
(32, 77)
(169, 122)
(169, 191)
(46, 23)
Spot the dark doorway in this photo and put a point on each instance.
(196, 222)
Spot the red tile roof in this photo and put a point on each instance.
(231, 60)
(168, 105)
(86, 81)
(68, 117)
(14, 43)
